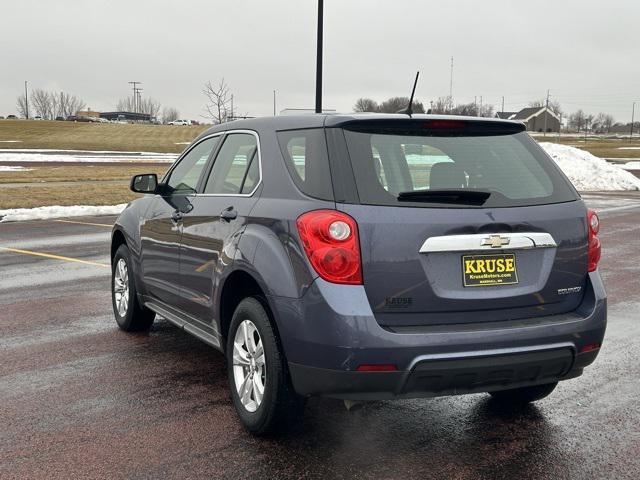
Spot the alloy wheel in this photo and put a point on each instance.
(121, 287)
(249, 369)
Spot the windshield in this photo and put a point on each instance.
(393, 169)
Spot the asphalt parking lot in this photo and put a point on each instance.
(80, 399)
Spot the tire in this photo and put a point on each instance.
(130, 315)
(277, 407)
(524, 395)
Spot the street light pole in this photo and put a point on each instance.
(633, 116)
(26, 101)
(319, 57)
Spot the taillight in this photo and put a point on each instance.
(330, 240)
(593, 225)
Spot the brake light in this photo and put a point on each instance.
(445, 124)
(330, 240)
(590, 347)
(595, 250)
(377, 368)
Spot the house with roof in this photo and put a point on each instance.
(537, 119)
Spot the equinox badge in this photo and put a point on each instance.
(495, 241)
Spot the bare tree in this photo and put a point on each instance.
(219, 101)
(603, 123)
(397, 104)
(366, 105)
(472, 109)
(169, 114)
(68, 104)
(43, 103)
(577, 120)
(125, 105)
(442, 106)
(151, 106)
(21, 104)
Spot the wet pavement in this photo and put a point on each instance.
(80, 399)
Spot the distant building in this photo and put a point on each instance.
(535, 118)
(126, 116)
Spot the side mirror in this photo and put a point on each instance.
(147, 183)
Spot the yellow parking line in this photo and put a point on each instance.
(55, 257)
(85, 223)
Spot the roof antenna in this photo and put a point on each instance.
(409, 109)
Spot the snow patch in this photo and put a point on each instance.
(14, 168)
(81, 156)
(588, 172)
(57, 211)
(631, 166)
(628, 148)
(10, 141)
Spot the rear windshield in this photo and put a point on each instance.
(420, 168)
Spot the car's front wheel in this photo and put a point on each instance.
(524, 395)
(130, 315)
(258, 376)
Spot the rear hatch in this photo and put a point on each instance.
(460, 221)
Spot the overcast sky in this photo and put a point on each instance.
(586, 52)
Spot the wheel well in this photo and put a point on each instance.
(237, 287)
(117, 240)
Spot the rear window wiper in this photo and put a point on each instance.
(451, 195)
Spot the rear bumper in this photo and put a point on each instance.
(453, 376)
(331, 330)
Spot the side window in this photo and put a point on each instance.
(184, 177)
(305, 155)
(236, 168)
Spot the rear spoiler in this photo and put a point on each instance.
(435, 127)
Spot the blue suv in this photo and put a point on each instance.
(366, 257)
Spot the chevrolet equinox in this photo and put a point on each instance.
(366, 257)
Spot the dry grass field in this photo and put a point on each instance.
(96, 136)
(102, 184)
(604, 147)
(81, 172)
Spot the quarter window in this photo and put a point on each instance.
(236, 169)
(305, 155)
(185, 175)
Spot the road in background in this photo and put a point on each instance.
(80, 399)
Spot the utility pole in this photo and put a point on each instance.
(319, 57)
(503, 105)
(26, 101)
(480, 111)
(135, 93)
(139, 100)
(231, 107)
(633, 117)
(274, 103)
(451, 82)
(546, 114)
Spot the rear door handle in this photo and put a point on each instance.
(229, 214)
(176, 216)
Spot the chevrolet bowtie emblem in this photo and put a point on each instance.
(495, 241)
